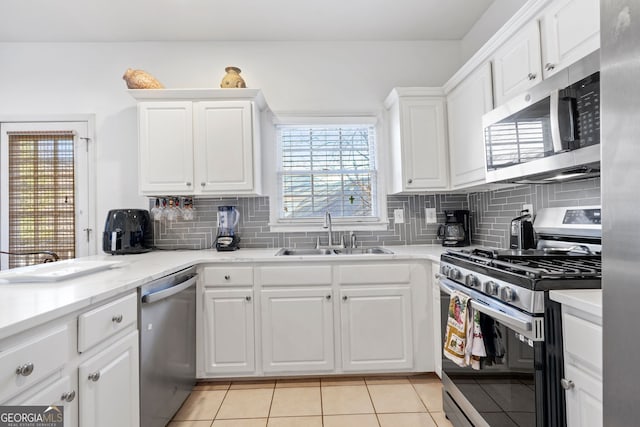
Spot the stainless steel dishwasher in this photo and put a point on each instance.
(167, 319)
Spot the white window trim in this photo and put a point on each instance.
(271, 166)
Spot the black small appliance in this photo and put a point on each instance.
(455, 231)
(522, 236)
(227, 238)
(127, 231)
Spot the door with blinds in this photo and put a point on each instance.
(44, 192)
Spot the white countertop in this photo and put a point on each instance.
(587, 300)
(25, 305)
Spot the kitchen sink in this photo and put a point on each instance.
(337, 251)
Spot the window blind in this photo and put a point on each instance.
(41, 194)
(327, 168)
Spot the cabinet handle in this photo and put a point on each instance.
(344, 298)
(248, 298)
(227, 277)
(117, 318)
(549, 66)
(567, 384)
(69, 396)
(531, 76)
(410, 181)
(188, 184)
(203, 184)
(25, 370)
(328, 297)
(94, 376)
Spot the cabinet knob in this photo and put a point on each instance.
(188, 184)
(117, 318)
(227, 277)
(567, 384)
(531, 76)
(248, 298)
(549, 66)
(328, 297)
(69, 396)
(25, 370)
(203, 184)
(410, 181)
(344, 298)
(95, 376)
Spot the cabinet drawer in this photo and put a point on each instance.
(99, 324)
(299, 275)
(37, 358)
(228, 276)
(582, 343)
(374, 274)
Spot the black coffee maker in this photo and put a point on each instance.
(455, 231)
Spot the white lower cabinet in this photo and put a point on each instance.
(376, 329)
(228, 331)
(61, 393)
(437, 316)
(108, 386)
(297, 330)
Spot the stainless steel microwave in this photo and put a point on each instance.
(551, 132)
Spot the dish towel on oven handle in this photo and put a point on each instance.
(463, 337)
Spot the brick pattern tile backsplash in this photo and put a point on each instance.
(491, 212)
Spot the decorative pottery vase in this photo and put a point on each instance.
(232, 78)
(140, 79)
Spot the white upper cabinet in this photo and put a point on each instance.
(466, 104)
(199, 142)
(570, 31)
(517, 63)
(417, 127)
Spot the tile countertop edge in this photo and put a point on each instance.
(26, 305)
(586, 300)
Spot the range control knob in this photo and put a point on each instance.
(506, 294)
(472, 281)
(445, 270)
(491, 288)
(454, 274)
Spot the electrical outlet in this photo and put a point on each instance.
(430, 215)
(398, 216)
(528, 207)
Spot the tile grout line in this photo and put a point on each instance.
(366, 384)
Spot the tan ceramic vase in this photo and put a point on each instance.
(140, 79)
(232, 78)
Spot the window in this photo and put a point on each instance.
(327, 167)
(44, 191)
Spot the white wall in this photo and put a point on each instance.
(72, 78)
(491, 20)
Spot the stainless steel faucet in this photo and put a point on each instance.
(327, 224)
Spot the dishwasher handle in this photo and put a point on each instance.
(166, 293)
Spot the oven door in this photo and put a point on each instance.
(508, 389)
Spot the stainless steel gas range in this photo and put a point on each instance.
(519, 382)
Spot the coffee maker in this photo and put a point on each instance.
(227, 239)
(455, 231)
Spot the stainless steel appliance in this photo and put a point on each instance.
(167, 319)
(551, 132)
(520, 380)
(620, 50)
(127, 231)
(456, 229)
(227, 238)
(521, 232)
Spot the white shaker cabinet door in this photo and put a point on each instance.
(109, 387)
(466, 104)
(297, 330)
(224, 147)
(584, 398)
(62, 393)
(517, 64)
(376, 326)
(166, 147)
(570, 31)
(228, 331)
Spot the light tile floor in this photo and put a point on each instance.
(398, 401)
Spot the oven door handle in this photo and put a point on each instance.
(522, 325)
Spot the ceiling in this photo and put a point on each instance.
(245, 20)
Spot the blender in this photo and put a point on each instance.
(227, 239)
